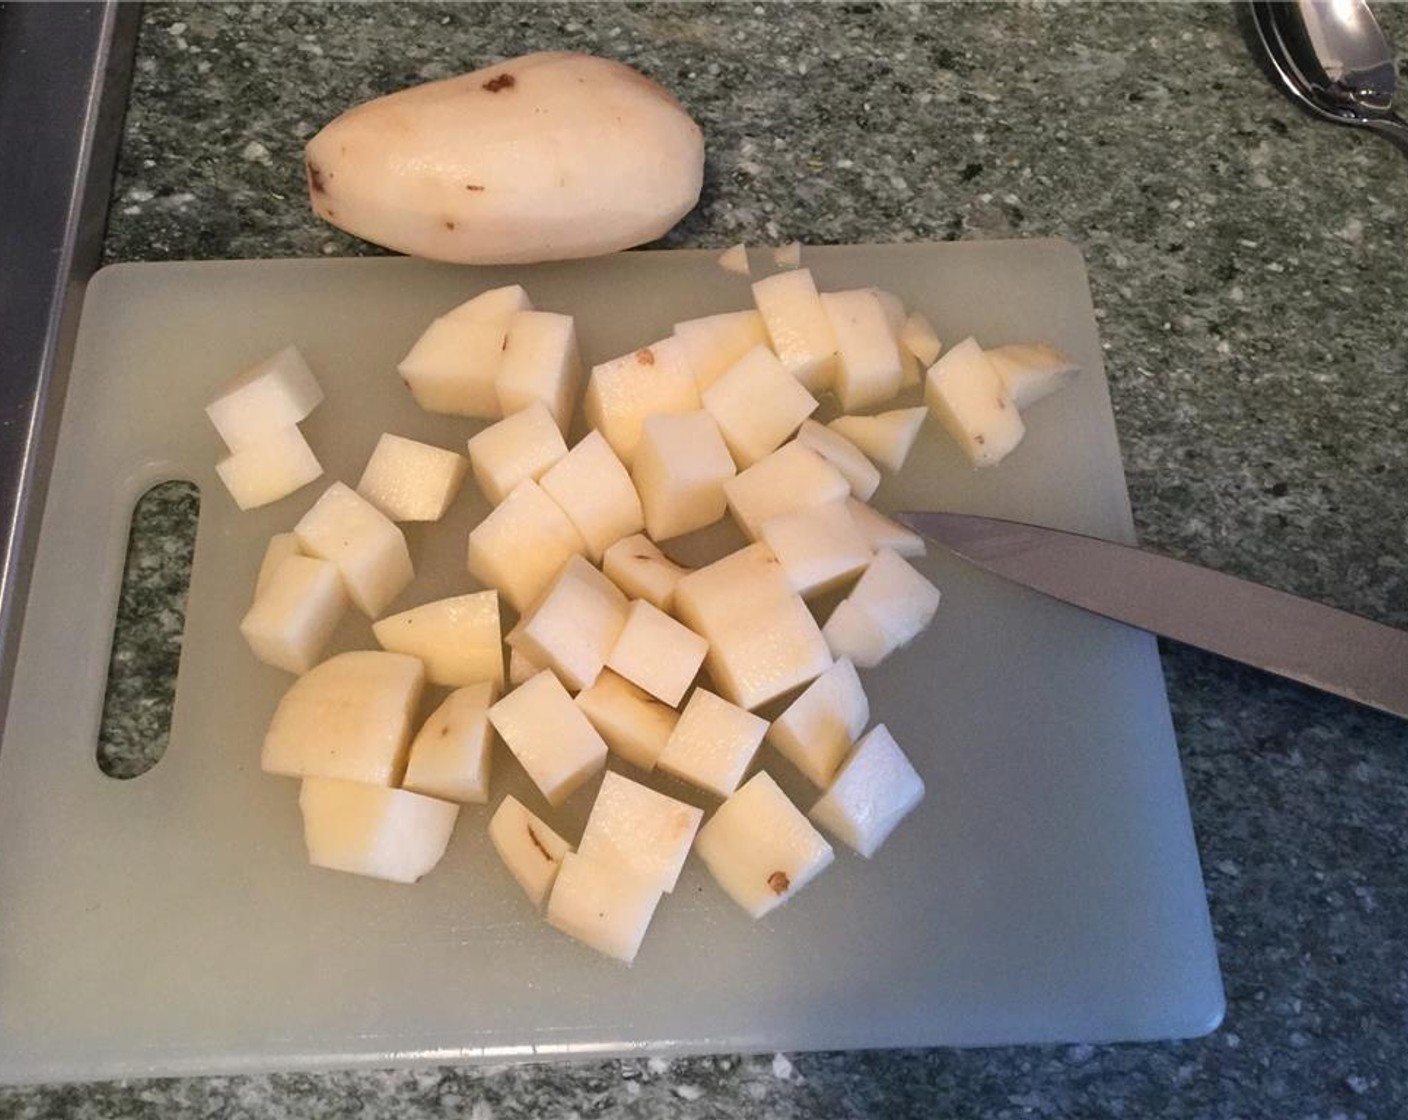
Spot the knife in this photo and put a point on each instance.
(1307, 642)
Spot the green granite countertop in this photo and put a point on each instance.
(1249, 271)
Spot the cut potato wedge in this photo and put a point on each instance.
(1032, 371)
(603, 905)
(634, 724)
(860, 473)
(265, 400)
(713, 743)
(540, 363)
(875, 790)
(880, 531)
(818, 728)
(451, 755)
(573, 628)
(460, 639)
(715, 342)
(390, 834)
(411, 481)
(595, 490)
(792, 477)
(638, 567)
(763, 642)
(760, 848)
(261, 473)
(757, 405)
(519, 447)
(368, 548)
(868, 365)
(349, 717)
(798, 327)
(966, 396)
(681, 468)
(521, 546)
(819, 548)
(548, 734)
(641, 830)
(623, 393)
(530, 850)
(886, 439)
(656, 653)
(294, 616)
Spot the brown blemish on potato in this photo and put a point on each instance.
(449, 224)
(980, 439)
(646, 357)
(474, 186)
(778, 882)
(502, 82)
(445, 730)
(315, 178)
(533, 836)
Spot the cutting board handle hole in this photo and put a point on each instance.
(146, 641)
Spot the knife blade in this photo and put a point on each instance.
(1308, 642)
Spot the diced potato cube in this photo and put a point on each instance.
(712, 744)
(452, 367)
(757, 405)
(595, 490)
(968, 398)
(642, 571)
(293, 618)
(369, 550)
(868, 365)
(280, 547)
(875, 790)
(896, 596)
(763, 642)
(819, 548)
(788, 256)
(634, 724)
(680, 470)
(792, 477)
(520, 446)
(735, 259)
(265, 400)
(911, 372)
(854, 635)
(411, 481)
(657, 653)
(530, 850)
(260, 473)
(818, 728)
(348, 717)
(540, 363)
(798, 327)
(1031, 371)
(523, 543)
(452, 752)
(548, 734)
(643, 831)
(624, 392)
(712, 344)
(390, 834)
(880, 532)
(521, 667)
(573, 628)
(460, 639)
(495, 305)
(886, 438)
(602, 905)
(920, 339)
(860, 473)
(760, 848)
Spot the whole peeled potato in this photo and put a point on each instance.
(543, 157)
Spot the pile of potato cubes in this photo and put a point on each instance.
(617, 650)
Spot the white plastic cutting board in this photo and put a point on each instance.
(1047, 889)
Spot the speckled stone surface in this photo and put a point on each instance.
(1251, 281)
